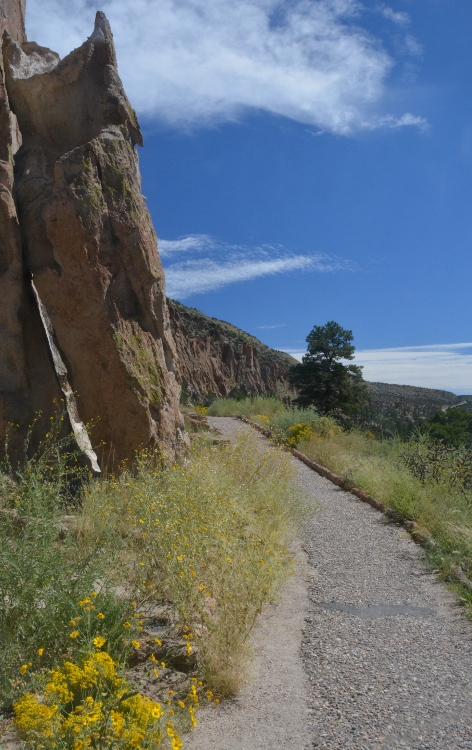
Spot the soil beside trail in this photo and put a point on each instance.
(384, 659)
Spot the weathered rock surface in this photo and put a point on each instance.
(12, 19)
(24, 358)
(217, 358)
(88, 242)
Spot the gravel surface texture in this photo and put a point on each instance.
(384, 659)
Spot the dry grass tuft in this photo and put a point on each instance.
(209, 536)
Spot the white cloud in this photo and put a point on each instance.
(443, 366)
(413, 46)
(191, 62)
(193, 242)
(398, 17)
(198, 277)
(215, 264)
(389, 121)
(279, 325)
(426, 347)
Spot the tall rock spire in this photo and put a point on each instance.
(88, 243)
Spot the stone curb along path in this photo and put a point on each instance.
(365, 649)
(419, 534)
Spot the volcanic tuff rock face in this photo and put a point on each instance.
(217, 358)
(82, 230)
(12, 18)
(24, 357)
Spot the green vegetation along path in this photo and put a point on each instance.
(365, 650)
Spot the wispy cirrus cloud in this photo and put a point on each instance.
(443, 366)
(214, 264)
(278, 325)
(194, 62)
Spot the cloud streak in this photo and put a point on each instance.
(279, 325)
(215, 264)
(443, 366)
(194, 62)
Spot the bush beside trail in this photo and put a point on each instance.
(82, 562)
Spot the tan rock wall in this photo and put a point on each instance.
(24, 358)
(216, 358)
(84, 234)
(12, 19)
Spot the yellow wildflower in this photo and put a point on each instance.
(74, 634)
(33, 718)
(136, 644)
(99, 641)
(40, 651)
(101, 616)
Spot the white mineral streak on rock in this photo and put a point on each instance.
(78, 427)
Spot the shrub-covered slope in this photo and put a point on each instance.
(216, 358)
(395, 408)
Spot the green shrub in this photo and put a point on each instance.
(247, 407)
(284, 420)
(453, 427)
(41, 576)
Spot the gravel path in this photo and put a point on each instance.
(385, 656)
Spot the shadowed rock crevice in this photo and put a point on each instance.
(81, 228)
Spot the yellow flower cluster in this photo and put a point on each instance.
(34, 719)
(297, 433)
(263, 418)
(91, 704)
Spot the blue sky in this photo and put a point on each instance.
(306, 161)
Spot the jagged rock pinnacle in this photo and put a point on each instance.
(82, 229)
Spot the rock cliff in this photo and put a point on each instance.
(27, 379)
(85, 315)
(216, 358)
(12, 19)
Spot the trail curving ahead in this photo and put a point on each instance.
(365, 649)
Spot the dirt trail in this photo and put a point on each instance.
(364, 651)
